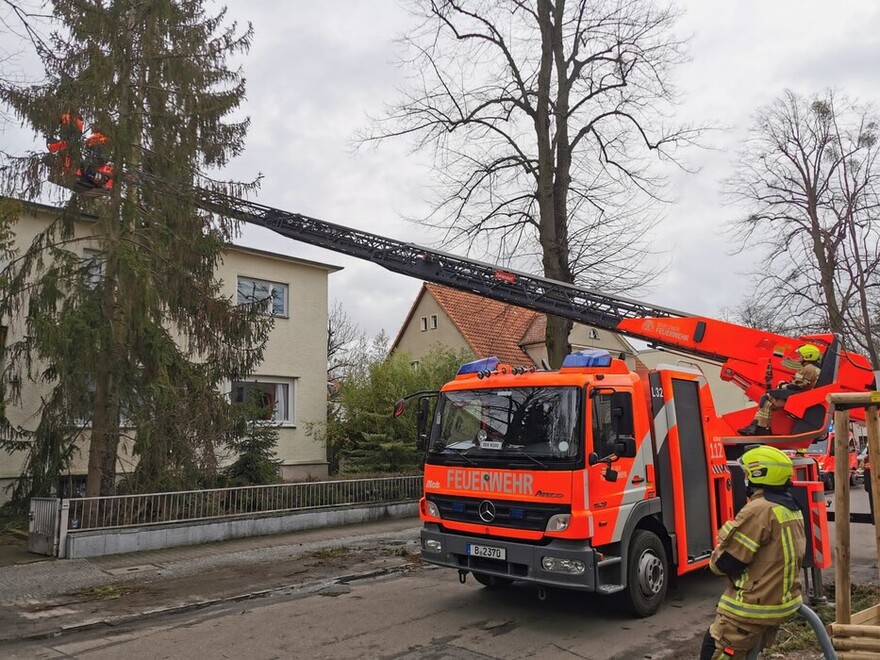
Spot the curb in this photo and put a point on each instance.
(299, 589)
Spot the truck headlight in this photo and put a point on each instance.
(432, 509)
(560, 565)
(559, 522)
(432, 545)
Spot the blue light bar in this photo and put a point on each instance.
(591, 357)
(489, 363)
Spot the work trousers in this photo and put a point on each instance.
(729, 639)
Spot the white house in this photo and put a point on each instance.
(293, 374)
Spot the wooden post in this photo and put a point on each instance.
(842, 578)
(872, 423)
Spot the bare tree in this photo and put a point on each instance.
(541, 115)
(755, 314)
(809, 176)
(343, 335)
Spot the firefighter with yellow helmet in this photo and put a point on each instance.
(804, 379)
(760, 552)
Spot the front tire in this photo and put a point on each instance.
(492, 581)
(647, 574)
(829, 481)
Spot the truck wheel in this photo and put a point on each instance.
(646, 574)
(829, 481)
(492, 581)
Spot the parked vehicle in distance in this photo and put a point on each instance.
(822, 450)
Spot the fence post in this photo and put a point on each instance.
(872, 423)
(842, 578)
(63, 519)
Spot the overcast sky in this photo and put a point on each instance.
(317, 69)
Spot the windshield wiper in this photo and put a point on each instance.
(458, 452)
(522, 452)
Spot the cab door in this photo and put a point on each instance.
(616, 462)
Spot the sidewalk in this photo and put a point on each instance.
(43, 598)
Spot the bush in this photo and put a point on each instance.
(361, 433)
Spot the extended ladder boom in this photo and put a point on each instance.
(750, 358)
(529, 291)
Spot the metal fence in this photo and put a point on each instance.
(43, 526)
(186, 506)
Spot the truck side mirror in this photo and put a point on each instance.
(625, 447)
(608, 474)
(422, 417)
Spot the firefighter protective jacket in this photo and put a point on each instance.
(768, 537)
(806, 377)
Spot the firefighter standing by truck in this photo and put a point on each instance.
(760, 552)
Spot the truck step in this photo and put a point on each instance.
(608, 561)
(607, 589)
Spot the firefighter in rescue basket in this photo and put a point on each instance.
(78, 162)
(805, 379)
(760, 552)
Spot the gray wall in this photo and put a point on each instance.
(96, 543)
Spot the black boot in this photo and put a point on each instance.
(707, 650)
(762, 430)
(751, 429)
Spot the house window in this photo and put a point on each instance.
(433, 321)
(594, 334)
(94, 267)
(262, 292)
(424, 321)
(274, 395)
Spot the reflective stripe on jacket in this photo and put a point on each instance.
(770, 539)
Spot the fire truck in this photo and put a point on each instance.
(592, 477)
(822, 451)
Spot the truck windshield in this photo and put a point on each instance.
(818, 446)
(535, 426)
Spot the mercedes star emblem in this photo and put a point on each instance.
(487, 511)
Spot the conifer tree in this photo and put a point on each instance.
(254, 439)
(137, 337)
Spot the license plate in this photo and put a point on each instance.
(486, 551)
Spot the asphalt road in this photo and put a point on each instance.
(418, 612)
(426, 614)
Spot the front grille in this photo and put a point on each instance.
(519, 515)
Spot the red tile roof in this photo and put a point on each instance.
(490, 327)
(536, 333)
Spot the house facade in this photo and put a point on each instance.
(463, 320)
(292, 376)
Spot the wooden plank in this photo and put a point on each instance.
(870, 616)
(857, 655)
(854, 630)
(855, 398)
(856, 644)
(842, 578)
